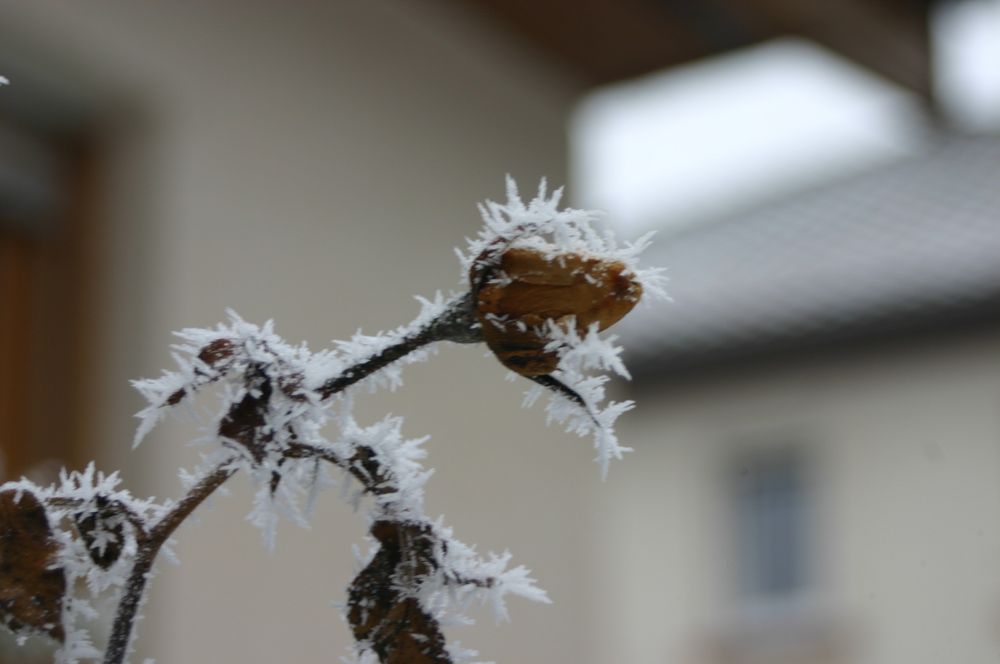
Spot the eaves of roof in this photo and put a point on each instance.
(906, 248)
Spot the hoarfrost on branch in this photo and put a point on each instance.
(285, 414)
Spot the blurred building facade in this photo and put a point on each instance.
(816, 475)
(819, 428)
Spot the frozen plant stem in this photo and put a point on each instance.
(149, 546)
(542, 284)
(456, 323)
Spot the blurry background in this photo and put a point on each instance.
(817, 468)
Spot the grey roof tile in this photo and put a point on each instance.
(918, 238)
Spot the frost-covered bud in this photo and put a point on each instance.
(518, 292)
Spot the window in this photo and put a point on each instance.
(779, 616)
(771, 515)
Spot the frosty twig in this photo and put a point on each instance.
(244, 424)
(150, 544)
(456, 323)
(542, 284)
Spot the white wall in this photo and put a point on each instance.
(905, 451)
(316, 162)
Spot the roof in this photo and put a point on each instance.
(604, 41)
(907, 246)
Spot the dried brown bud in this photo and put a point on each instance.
(526, 288)
(32, 589)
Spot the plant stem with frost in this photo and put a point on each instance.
(456, 323)
(149, 546)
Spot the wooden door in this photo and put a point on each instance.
(45, 310)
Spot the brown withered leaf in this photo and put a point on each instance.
(525, 288)
(244, 423)
(32, 591)
(393, 623)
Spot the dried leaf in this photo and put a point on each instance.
(245, 422)
(380, 610)
(526, 288)
(32, 589)
(105, 521)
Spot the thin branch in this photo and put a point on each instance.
(243, 424)
(362, 465)
(457, 323)
(149, 547)
(382, 609)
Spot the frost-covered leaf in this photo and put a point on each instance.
(103, 532)
(32, 585)
(91, 527)
(245, 422)
(383, 612)
(104, 519)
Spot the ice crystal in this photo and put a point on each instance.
(540, 224)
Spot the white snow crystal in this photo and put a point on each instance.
(541, 225)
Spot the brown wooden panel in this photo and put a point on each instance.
(15, 315)
(46, 309)
(608, 40)
(599, 41)
(889, 38)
